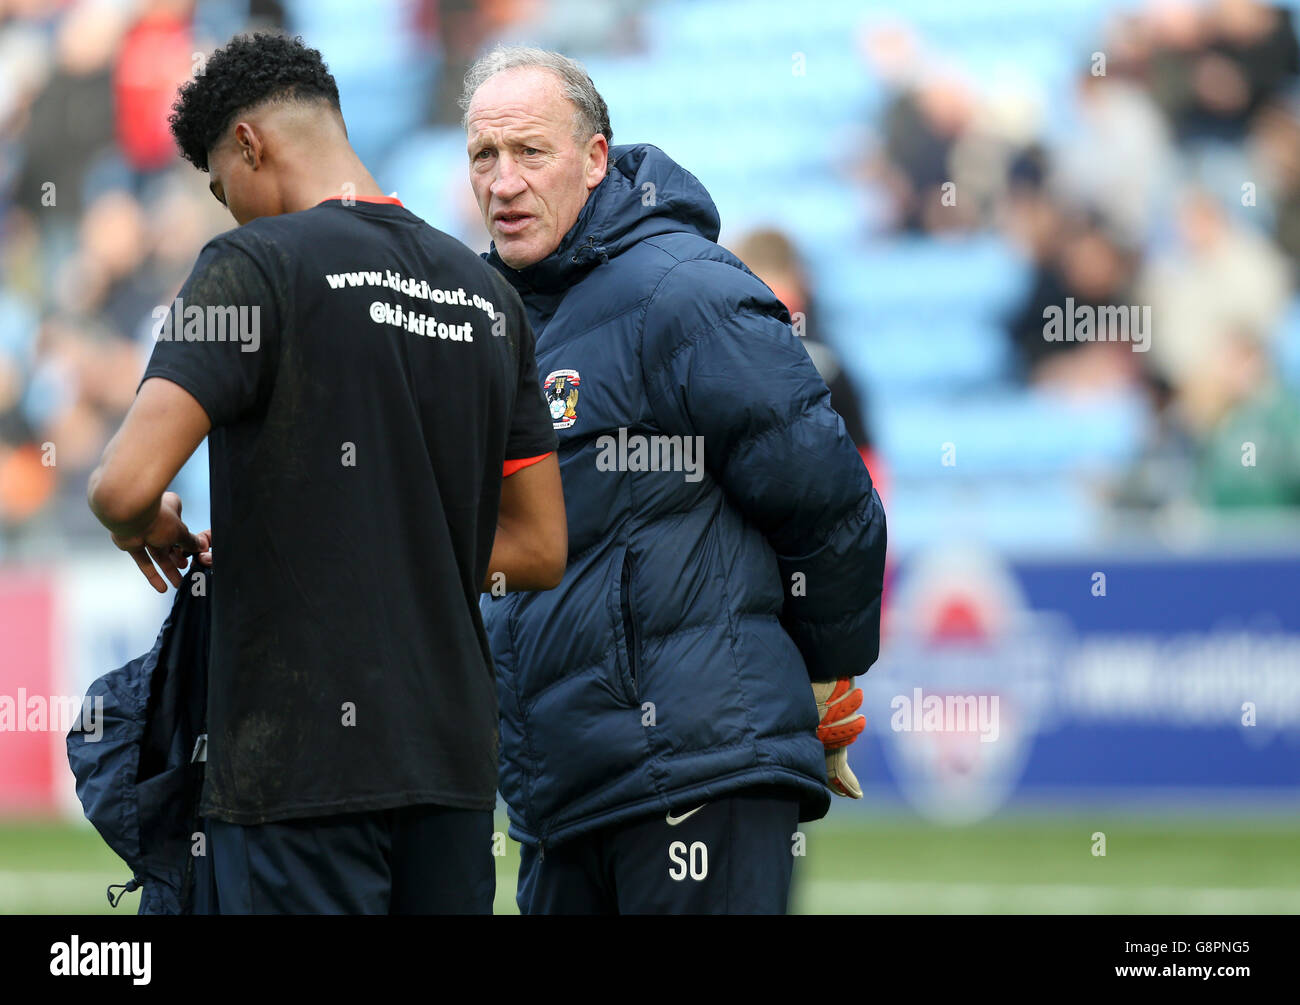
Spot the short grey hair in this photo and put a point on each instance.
(592, 114)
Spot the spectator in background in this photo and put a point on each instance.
(922, 129)
(1219, 279)
(83, 382)
(108, 275)
(1277, 140)
(157, 55)
(462, 27)
(1164, 471)
(1117, 158)
(772, 256)
(944, 145)
(1028, 215)
(1214, 67)
(70, 124)
(924, 119)
(179, 221)
(25, 483)
(1077, 257)
(1252, 454)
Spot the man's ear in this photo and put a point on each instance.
(597, 160)
(249, 143)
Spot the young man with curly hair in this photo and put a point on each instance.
(380, 451)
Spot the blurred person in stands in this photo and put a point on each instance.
(27, 478)
(1221, 277)
(1214, 66)
(70, 125)
(1251, 455)
(180, 220)
(1080, 261)
(1115, 113)
(661, 693)
(923, 129)
(929, 113)
(1277, 139)
(772, 256)
(1163, 474)
(80, 388)
(461, 28)
(109, 275)
(157, 54)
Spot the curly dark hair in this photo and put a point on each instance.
(247, 71)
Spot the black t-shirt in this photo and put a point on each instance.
(367, 378)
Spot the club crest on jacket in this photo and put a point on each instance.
(561, 387)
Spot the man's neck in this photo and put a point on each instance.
(340, 176)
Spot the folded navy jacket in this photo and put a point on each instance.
(139, 782)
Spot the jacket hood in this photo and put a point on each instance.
(646, 193)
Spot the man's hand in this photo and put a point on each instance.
(839, 723)
(127, 491)
(166, 541)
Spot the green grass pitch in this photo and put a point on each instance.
(862, 862)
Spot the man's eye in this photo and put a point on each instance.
(482, 153)
(529, 151)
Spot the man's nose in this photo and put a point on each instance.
(508, 182)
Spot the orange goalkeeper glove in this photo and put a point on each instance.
(839, 723)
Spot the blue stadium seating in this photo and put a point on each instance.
(919, 321)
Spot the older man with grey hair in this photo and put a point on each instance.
(660, 738)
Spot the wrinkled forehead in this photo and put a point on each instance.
(521, 100)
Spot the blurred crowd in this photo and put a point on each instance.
(100, 221)
(1172, 182)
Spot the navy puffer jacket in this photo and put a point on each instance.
(672, 664)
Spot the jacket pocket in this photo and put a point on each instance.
(631, 684)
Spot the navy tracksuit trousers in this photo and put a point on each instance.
(410, 860)
(733, 855)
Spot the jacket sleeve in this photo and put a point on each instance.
(721, 362)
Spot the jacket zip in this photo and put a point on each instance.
(629, 623)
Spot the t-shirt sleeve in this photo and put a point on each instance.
(219, 338)
(532, 434)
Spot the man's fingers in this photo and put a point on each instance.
(191, 545)
(167, 563)
(204, 539)
(150, 573)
